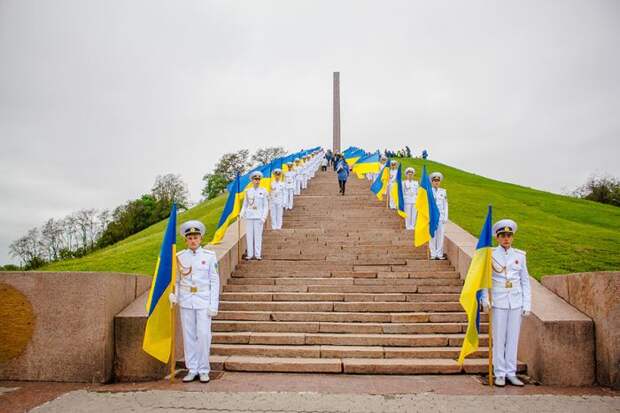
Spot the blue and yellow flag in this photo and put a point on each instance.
(478, 278)
(232, 208)
(379, 186)
(367, 164)
(428, 214)
(354, 156)
(396, 193)
(158, 333)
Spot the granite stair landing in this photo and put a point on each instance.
(341, 289)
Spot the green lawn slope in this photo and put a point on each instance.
(560, 234)
(138, 253)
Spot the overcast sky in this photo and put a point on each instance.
(99, 97)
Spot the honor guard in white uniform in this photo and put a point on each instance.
(298, 176)
(392, 182)
(276, 199)
(289, 186)
(511, 299)
(304, 172)
(254, 210)
(197, 292)
(410, 194)
(441, 199)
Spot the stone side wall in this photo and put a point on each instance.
(132, 363)
(598, 296)
(557, 341)
(60, 326)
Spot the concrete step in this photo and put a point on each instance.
(340, 351)
(340, 327)
(340, 306)
(421, 317)
(349, 297)
(392, 340)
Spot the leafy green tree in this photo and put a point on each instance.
(603, 189)
(215, 185)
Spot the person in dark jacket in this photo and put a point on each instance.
(342, 168)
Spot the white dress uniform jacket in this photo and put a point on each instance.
(436, 244)
(511, 280)
(289, 185)
(201, 287)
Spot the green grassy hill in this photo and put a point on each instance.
(560, 234)
(138, 253)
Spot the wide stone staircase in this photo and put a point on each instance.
(341, 289)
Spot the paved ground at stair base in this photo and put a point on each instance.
(304, 392)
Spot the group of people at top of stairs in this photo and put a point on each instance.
(284, 186)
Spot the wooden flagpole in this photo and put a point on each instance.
(173, 314)
(490, 333)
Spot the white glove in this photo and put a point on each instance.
(263, 220)
(485, 306)
(211, 313)
(525, 313)
(172, 298)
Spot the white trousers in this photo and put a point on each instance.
(436, 244)
(297, 186)
(254, 237)
(506, 327)
(196, 325)
(411, 216)
(392, 200)
(288, 198)
(304, 182)
(276, 211)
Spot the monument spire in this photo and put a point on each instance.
(336, 143)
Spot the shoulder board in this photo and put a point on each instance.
(520, 251)
(206, 251)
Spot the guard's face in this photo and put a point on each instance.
(505, 239)
(256, 181)
(435, 182)
(193, 241)
(277, 176)
(410, 175)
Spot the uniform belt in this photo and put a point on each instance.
(192, 289)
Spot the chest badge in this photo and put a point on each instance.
(204, 262)
(516, 261)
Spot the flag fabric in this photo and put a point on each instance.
(367, 164)
(478, 278)
(379, 186)
(427, 219)
(354, 156)
(232, 208)
(396, 193)
(158, 333)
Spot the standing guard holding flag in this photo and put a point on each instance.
(441, 199)
(254, 211)
(197, 293)
(298, 176)
(276, 198)
(511, 299)
(289, 186)
(392, 182)
(410, 192)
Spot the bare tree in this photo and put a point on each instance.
(51, 238)
(86, 223)
(170, 188)
(69, 230)
(266, 155)
(27, 248)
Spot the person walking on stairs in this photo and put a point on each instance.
(324, 163)
(289, 186)
(441, 199)
(343, 174)
(410, 193)
(276, 199)
(197, 293)
(254, 210)
(511, 300)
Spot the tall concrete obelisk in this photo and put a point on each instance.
(336, 145)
